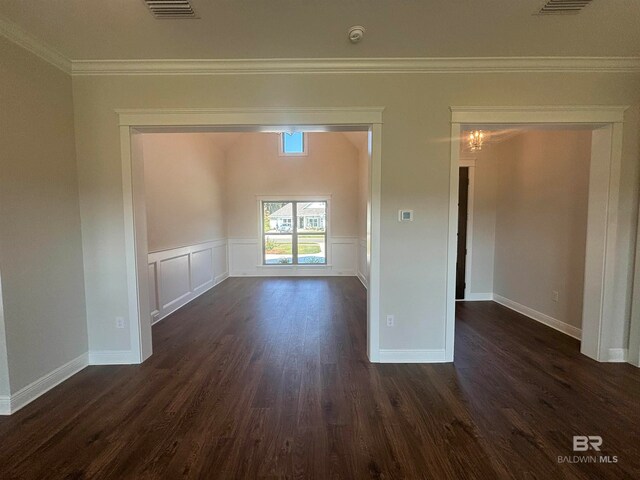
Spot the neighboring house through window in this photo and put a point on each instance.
(289, 242)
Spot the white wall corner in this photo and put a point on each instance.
(539, 317)
(5, 405)
(113, 357)
(24, 396)
(617, 355)
(412, 356)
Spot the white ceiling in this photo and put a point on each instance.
(247, 29)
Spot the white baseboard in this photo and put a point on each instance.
(5, 405)
(13, 403)
(113, 357)
(412, 356)
(220, 278)
(476, 297)
(363, 280)
(617, 355)
(539, 317)
(156, 317)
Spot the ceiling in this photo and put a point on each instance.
(254, 29)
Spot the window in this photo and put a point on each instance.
(293, 144)
(299, 242)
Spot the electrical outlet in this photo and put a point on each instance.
(555, 295)
(119, 322)
(391, 320)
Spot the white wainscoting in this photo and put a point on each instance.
(178, 275)
(245, 259)
(362, 262)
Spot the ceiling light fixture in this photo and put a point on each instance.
(356, 33)
(476, 139)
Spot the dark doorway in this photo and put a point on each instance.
(463, 203)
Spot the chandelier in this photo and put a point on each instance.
(476, 139)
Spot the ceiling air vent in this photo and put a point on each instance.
(171, 8)
(563, 7)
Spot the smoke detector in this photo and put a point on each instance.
(356, 33)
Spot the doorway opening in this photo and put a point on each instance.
(528, 235)
(463, 222)
(543, 232)
(307, 241)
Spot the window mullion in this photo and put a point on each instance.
(294, 221)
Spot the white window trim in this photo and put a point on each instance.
(295, 198)
(305, 146)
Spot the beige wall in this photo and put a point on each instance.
(415, 172)
(541, 221)
(40, 241)
(254, 167)
(184, 177)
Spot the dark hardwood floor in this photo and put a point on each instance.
(268, 378)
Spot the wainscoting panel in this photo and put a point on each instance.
(178, 275)
(174, 280)
(154, 306)
(363, 270)
(245, 259)
(202, 269)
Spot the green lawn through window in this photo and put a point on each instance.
(285, 248)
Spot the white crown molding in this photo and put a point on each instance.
(358, 65)
(15, 34)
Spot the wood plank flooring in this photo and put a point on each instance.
(268, 378)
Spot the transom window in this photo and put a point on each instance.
(293, 144)
(299, 242)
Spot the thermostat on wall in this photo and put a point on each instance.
(405, 215)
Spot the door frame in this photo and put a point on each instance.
(134, 121)
(602, 218)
